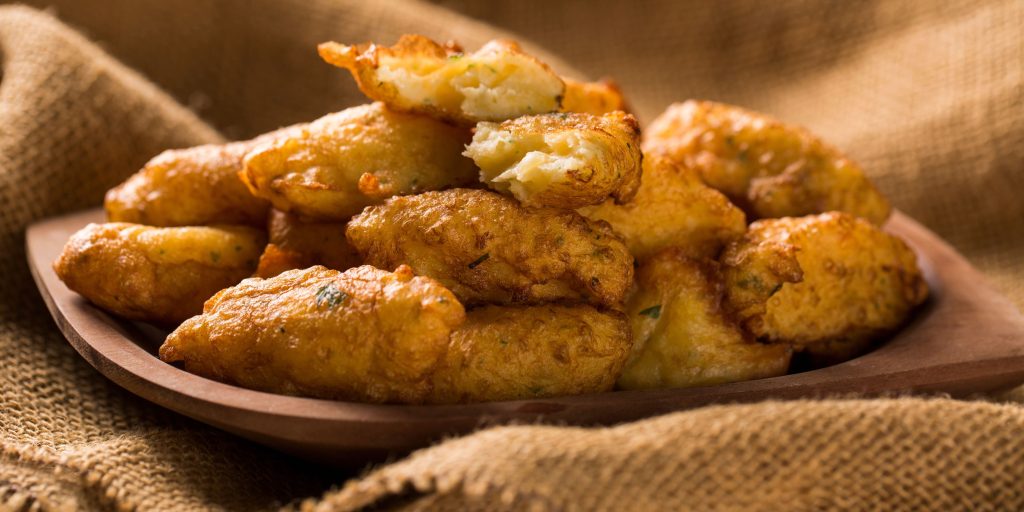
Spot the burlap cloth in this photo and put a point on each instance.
(928, 96)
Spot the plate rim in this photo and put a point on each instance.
(236, 409)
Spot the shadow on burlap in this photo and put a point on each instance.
(928, 98)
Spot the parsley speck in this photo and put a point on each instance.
(652, 312)
(330, 295)
(479, 260)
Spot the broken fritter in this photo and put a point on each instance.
(673, 208)
(497, 82)
(488, 248)
(516, 353)
(363, 334)
(341, 163)
(298, 244)
(768, 168)
(159, 275)
(601, 97)
(820, 279)
(683, 337)
(191, 187)
(560, 160)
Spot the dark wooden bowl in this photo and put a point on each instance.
(966, 339)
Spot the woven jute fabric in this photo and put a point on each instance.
(926, 95)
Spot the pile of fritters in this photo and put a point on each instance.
(488, 230)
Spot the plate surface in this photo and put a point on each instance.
(966, 339)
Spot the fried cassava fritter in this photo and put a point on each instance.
(363, 334)
(497, 82)
(522, 352)
(601, 97)
(821, 278)
(682, 335)
(768, 168)
(673, 208)
(560, 160)
(159, 275)
(340, 163)
(295, 243)
(488, 248)
(192, 187)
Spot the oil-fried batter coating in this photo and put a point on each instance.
(601, 97)
(821, 278)
(192, 187)
(159, 275)
(363, 334)
(769, 168)
(345, 161)
(683, 337)
(488, 248)
(497, 82)
(673, 208)
(560, 160)
(515, 353)
(298, 244)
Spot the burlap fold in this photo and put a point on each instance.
(928, 96)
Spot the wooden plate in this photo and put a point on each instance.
(966, 339)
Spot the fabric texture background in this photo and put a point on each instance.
(926, 96)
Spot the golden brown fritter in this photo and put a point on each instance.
(673, 208)
(345, 161)
(682, 336)
(488, 248)
(192, 187)
(497, 82)
(159, 275)
(596, 98)
(515, 353)
(560, 160)
(768, 168)
(821, 278)
(363, 334)
(298, 244)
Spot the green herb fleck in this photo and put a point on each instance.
(495, 71)
(652, 312)
(281, 329)
(776, 289)
(215, 256)
(503, 342)
(479, 260)
(162, 251)
(536, 390)
(455, 56)
(742, 155)
(729, 141)
(330, 296)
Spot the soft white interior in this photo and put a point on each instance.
(491, 85)
(524, 165)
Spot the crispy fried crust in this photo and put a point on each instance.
(487, 248)
(192, 187)
(159, 275)
(560, 160)
(497, 82)
(298, 244)
(514, 353)
(345, 161)
(821, 278)
(768, 168)
(673, 208)
(601, 97)
(683, 337)
(364, 334)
